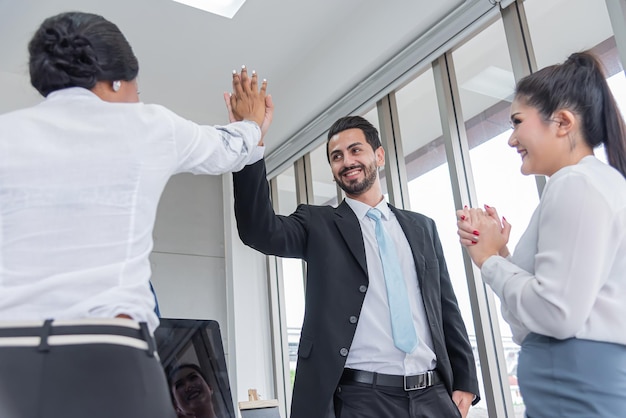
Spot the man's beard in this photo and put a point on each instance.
(355, 187)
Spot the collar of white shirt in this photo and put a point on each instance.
(360, 209)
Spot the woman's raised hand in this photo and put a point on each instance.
(248, 102)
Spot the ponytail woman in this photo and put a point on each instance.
(563, 290)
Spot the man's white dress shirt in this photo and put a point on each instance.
(373, 348)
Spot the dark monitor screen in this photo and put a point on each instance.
(199, 343)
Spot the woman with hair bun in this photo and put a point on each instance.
(81, 175)
(563, 288)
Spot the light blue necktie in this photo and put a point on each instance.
(404, 336)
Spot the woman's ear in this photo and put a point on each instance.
(182, 414)
(566, 122)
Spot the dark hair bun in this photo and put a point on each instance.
(65, 58)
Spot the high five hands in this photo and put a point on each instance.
(483, 233)
(247, 102)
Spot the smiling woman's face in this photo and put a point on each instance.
(535, 140)
(190, 390)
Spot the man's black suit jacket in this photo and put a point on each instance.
(330, 241)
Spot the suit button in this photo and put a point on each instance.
(353, 319)
(343, 352)
(362, 288)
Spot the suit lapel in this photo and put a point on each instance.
(414, 233)
(350, 230)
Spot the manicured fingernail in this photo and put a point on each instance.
(265, 80)
(234, 72)
(462, 217)
(476, 233)
(487, 207)
(465, 207)
(243, 67)
(504, 219)
(253, 72)
(474, 242)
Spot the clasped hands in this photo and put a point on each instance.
(247, 102)
(483, 233)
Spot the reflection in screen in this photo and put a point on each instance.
(192, 356)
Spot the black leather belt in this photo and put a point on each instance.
(408, 383)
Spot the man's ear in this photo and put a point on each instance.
(380, 156)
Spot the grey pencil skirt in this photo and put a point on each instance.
(572, 378)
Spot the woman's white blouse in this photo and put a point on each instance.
(567, 276)
(80, 180)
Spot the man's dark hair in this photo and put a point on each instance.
(355, 122)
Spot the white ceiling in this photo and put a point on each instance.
(311, 52)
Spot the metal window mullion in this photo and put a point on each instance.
(340, 194)
(397, 183)
(304, 191)
(617, 15)
(304, 183)
(278, 320)
(490, 351)
(521, 51)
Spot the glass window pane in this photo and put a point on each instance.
(324, 188)
(292, 271)
(560, 27)
(372, 117)
(486, 87)
(430, 190)
(563, 37)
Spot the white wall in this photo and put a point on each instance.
(248, 321)
(188, 255)
(201, 270)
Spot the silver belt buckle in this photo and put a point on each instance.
(424, 380)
